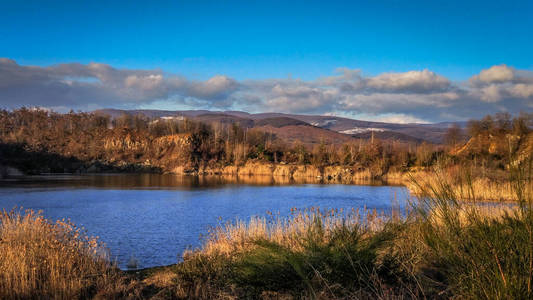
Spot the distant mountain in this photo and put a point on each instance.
(351, 126)
(293, 122)
(279, 122)
(224, 119)
(429, 132)
(307, 134)
(388, 135)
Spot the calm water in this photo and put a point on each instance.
(156, 217)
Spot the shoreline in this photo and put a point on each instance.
(256, 172)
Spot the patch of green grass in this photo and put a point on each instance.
(342, 262)
(320, 262)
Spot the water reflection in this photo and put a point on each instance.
(166, 181)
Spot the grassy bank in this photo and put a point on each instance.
(441, 248)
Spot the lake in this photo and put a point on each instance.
(156, 217)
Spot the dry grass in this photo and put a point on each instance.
(475, 251)
(310, 254)
(41, 259)
(238, 236)
(464, 186)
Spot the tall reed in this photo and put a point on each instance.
(464, 184)
(473, 254)
(42, 260)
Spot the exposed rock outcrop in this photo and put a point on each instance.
(299, 173)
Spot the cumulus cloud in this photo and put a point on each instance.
(216, 87)
(503, 84)
(491, 93)
(522, 91)
(413, 96)
(413, 81)
(300, 98)
(501, 73)
(76, 85)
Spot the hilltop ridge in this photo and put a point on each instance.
(433, 133)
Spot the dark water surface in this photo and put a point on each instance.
(156, 217)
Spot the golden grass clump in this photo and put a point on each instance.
(42, 259)
(238, 236)
(464, 186)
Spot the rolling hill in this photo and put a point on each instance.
(310, 128)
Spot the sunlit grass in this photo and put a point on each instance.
(465, 185)
(41, 259)
(286, 231)
(477, 251)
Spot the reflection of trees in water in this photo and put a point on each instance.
(162, 181)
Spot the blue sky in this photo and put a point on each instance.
(259, 40)
(262, 39)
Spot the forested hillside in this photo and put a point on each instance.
(38, 141)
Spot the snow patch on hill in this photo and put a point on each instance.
(357, 130)
(324, 123)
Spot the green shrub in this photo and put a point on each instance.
(336, 263)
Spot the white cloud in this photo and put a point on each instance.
(389, 103)
(500, 73)
(299, 98)
(501, 83)
(399, 119)
(522, 90)
(413, 96)
(491, 93)
(149, 82)
(412, 81)
(215, 87)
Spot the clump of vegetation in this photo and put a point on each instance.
(474, 253)
(466, 182)
(312, 254)
(40, 259)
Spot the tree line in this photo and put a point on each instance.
(82, 136)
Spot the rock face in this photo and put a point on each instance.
(254, 168)
(169, 153)
(303, 171)
(489, 144)
(230, 170)
(523, 145)
(299, 173)
(283, 170)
